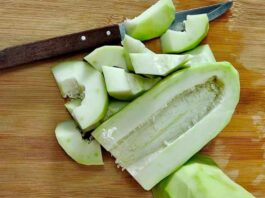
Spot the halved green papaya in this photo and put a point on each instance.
(126, 86)
(160, 130)
(132, 45)
(200, 177)
(107, 55)
(196, 29)
(86, 152)
(153, 22)
(85, 87)
(201, 54)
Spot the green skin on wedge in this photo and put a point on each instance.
(126, 86)
(85, 87)
(80, 150)
(107, 55)
(200, 54)
(200, 177)
(172, 121)
(153, 22)
(132, 45)
(196, 26)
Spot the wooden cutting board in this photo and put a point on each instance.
(31, 162)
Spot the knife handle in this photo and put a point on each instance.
(44, 49)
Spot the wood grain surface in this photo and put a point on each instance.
(31, 162)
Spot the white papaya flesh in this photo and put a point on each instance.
(160, 130)
(201, 54)
(132, 45)
(126, 86)
(107, 55)
(157, 64)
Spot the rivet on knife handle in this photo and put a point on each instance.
(44, 49)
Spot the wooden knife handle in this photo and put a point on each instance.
(44, 49)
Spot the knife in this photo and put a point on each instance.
(89, 39)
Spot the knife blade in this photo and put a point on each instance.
(44, 49)
(213, 12)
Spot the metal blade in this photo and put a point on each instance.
(213, 12)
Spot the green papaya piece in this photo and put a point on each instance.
(85, 87)
(196, 29)
(160, 130)
(201, 54)
(132, 45)
(126, 86)
(153, 22)
(200, 177)
(114, 107)
(86, 152)
(107, 55)
(157, 64)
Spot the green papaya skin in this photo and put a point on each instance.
(153, 22)
(175, 114)
(86, 152)
(200, 177)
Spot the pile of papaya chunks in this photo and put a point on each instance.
(152, 112)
